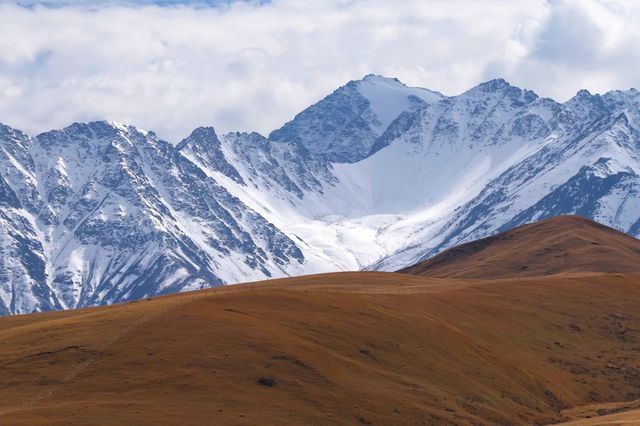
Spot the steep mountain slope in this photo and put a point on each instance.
(23, 266)
(108, 213)
(377, 175)
(589, 168)
(345, 125)
(563, 244)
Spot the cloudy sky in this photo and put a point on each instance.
(173, 65)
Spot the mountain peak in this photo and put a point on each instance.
(205, 137)
(500, 85)
(8, 130)
(496, 82)
(583, 96)
(205, 148)
(343, 127)
(586, 106)
(583, 93)
(494, 85)
(500, 88)
(207, 131)
(376, 78)
(118, 125)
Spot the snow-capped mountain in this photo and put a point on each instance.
(583, 160)
(377, 175)
(346, 124)
(100, 212)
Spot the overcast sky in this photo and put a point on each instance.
(171, 66)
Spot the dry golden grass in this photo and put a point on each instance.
(559, 245)
(342, 349)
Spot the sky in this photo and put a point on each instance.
(171, 66)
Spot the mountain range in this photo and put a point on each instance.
(377, 175)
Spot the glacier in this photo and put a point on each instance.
(377, 175)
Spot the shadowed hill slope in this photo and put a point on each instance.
(346, 348)
(565, 244)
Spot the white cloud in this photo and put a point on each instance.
(251, 66)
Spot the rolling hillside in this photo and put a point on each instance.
(343, 348)
(562, 244)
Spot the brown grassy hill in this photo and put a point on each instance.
(348, 348)
(565, 244)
